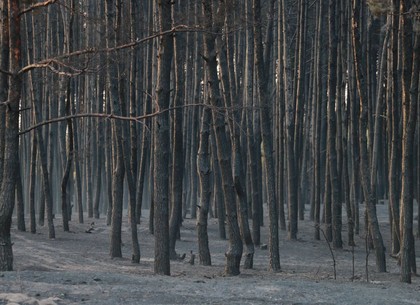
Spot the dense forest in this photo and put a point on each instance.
(225, 109)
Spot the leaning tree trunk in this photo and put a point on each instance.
(234, 253)
(232, 100)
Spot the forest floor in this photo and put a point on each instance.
(75, 268)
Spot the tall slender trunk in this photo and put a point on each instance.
(100, 154)
(234, 253)
(32, 183)
(393, 127)
(69, 148)
(251, 145)
(66, 175)
(204, 171)
(299, 99)
(4, 82)
(20, 204)
(178, 153)
(117, 149)
(231, 99)
(78, 178)
(292, 186)
(267, 140)
(217, 189)
(11, 149)
(145, 142)
(162, 143)
(410, 85)
(364, 156)
(332, 128)
(317, 189)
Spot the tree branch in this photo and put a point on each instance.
(36, 5)
(90, 115)
(137, 119)
(46, 62)
(49, 64)
(6, 72)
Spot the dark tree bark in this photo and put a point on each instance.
(409, 101)
(151, 190)
(231, 99)
(364, 156)
(4, 82)
(128, 142)
(32, 180)
(146, 143)
(67, 170)
(108, 163)
(234, 253)
(393, 123)
(77, 183)
(162, 142)
(117, 149)
(332, 127)
(46, 199)
(217, 189)
(252, 145)
(292, 186)
(69, 148)
(280, 124)
(267, 140)
(317, 184)
(100, 168)
(78, 178)
(11, 149)
(327, 203)
(299, 102)
(204, 171)
(178, 153)
(354, 147)
(20, 204)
